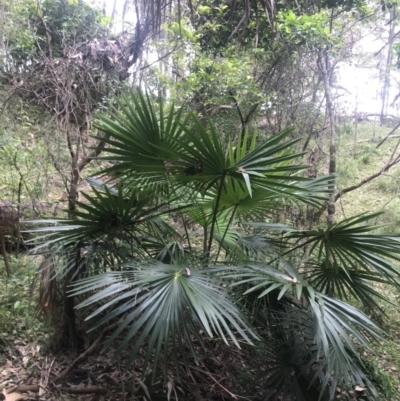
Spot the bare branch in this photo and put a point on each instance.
(367, 180)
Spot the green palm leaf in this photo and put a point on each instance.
(141, 140)
(351, 245)
(348, 284)
(107, 214)
(338, 328)
(163, 306)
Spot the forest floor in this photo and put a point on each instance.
(32, 371)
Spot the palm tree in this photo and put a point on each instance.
(179, 251)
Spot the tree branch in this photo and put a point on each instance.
(86, 160)
(366, 180)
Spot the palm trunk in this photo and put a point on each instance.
(68, 334)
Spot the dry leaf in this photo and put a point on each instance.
(13, 396)
(169, 387)
(25, 361)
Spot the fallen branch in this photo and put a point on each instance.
(83, 390)
(82, 357)
(34, 388)
(24, 388)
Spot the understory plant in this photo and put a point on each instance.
(177, 241)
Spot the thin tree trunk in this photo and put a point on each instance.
(386, 80)
(73, 191)
(114, 11)
(325, 70)
(4, 253)
(124, 10)
(356, 123)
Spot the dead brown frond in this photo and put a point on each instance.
(47, 304)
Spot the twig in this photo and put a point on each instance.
(218, 383)
(161, 58)
(24, 388)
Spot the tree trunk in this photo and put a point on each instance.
(68, 331)
(389, 59)
(325, 69)
(114, 11)
(4, 253)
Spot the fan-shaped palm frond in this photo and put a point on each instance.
(293, 369)
(107, 215)
(287, 355)
(163, 306)
(338, 328)
(347, 258)
(266, 166)
(348, 284)
(352, 245)
(143, 143)
(141, 139)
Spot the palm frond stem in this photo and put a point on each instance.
(226, 231)
(215, 213)
(186, 230)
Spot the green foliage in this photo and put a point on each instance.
(20, 33)
(385, 383)
(24, 160)
(18, 306)
(366, 153)
(68, 22)
(396, 52)
(310, 30)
